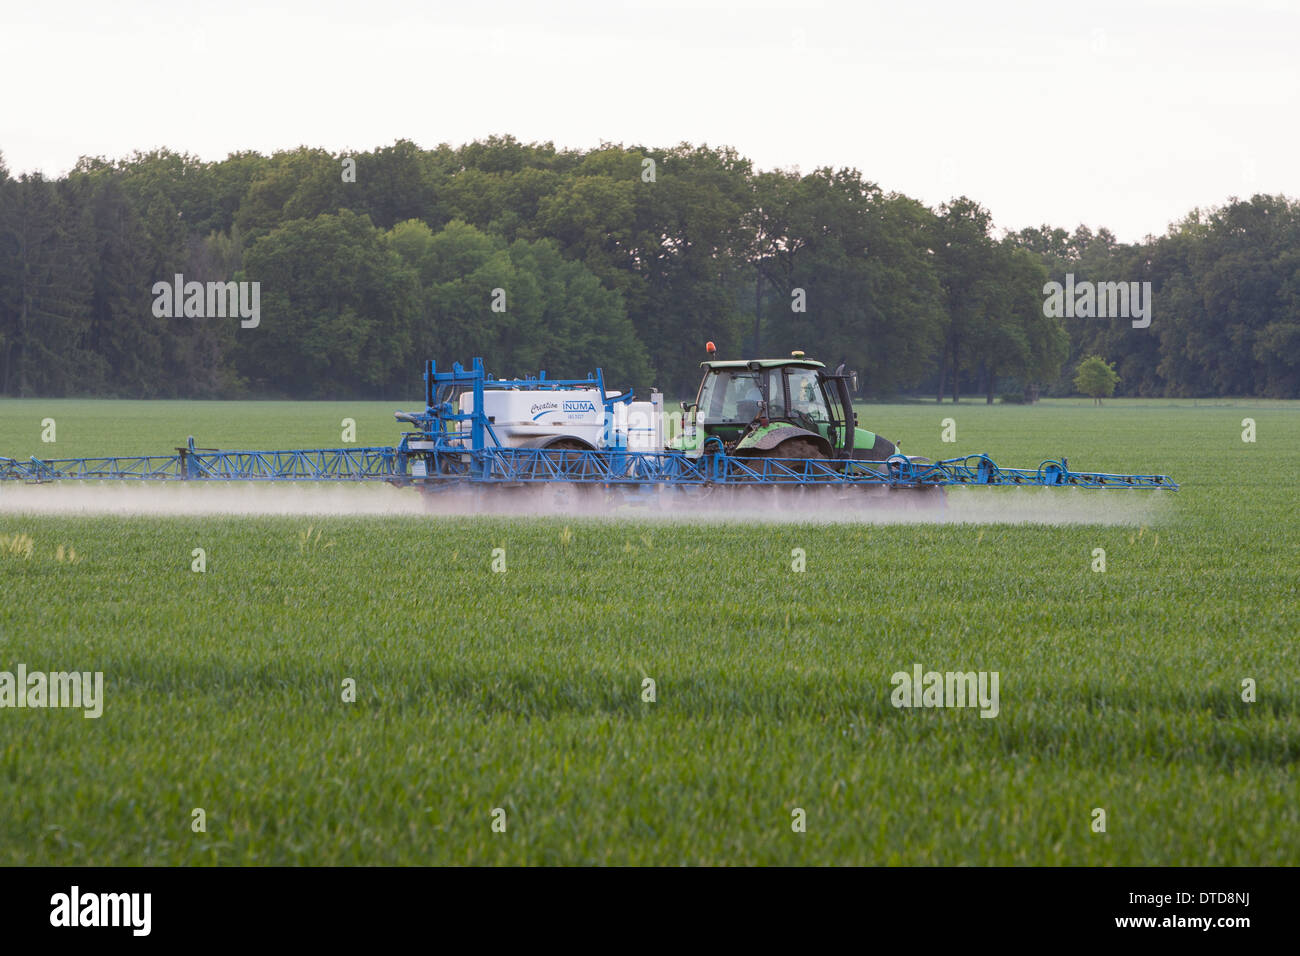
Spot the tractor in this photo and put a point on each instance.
(778, 408)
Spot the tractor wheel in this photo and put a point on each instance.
(797, 448)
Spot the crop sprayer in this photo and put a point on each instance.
(754, 423)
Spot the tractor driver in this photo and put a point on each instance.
(805, 396)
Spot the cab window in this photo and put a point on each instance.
(806, 394)
(730, 396)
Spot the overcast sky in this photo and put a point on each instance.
(1124, 115)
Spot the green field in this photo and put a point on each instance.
(522, 690)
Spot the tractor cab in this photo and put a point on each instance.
(783, 408)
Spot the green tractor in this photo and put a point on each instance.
(779, 408)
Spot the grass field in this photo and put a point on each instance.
(1119, 690)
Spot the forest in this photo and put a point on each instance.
(623, 257)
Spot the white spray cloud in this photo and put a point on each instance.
(1046, 506)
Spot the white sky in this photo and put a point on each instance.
(1118, 114)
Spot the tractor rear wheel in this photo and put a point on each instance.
(797, 448)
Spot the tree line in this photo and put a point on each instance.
(628, 258)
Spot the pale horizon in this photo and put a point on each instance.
(1124, 116)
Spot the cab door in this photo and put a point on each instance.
(840, 432)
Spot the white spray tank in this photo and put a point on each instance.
(520, 415)
(645, 424)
